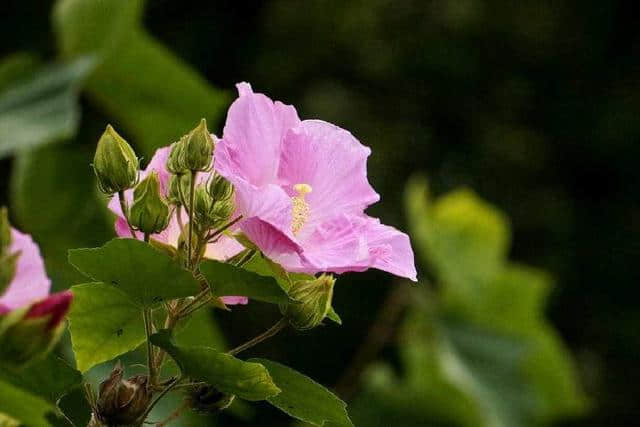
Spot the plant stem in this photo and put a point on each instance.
(157, 399)
(223, 228)
(280, 325)
(146, 237)
(192, 190)
(146, 315)
(175, 414)
(125, 211)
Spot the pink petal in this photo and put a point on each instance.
(55, 305)
(333, 163)
(235, 300)
(252, 137)
(30, 282)
(390, 250)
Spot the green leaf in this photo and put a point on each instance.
(51, 186)
(49, 378)
(41, 108)
(20, 405)
(151, 93)
(462, 237)
(200, 328)
(332, 315)
(303, 398)
(147, 275)
(226, 280)
(104, 323)
(247, 380)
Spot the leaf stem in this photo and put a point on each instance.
(175, 414)
(280, 325)
(223, 228)
(125, 212)
(146, 315)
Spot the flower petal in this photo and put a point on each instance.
(252, 137)
(333, 163)
(55, 305)
(30, 282)
(235, 300)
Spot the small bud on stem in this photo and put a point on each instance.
(115, 163)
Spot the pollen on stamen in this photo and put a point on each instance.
(300, 208)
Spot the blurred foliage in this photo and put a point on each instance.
(533, 105)
(476, 350)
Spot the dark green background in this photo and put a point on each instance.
(534, 105)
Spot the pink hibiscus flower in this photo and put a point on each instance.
(221, 250)
(302, 189)
(30, 285)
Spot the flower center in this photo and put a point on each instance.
(300, 209)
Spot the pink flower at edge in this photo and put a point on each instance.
(30, 285)
(222, 250)
(302, 188)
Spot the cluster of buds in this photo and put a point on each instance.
(313, 302)
(213, 203)
(193, 152)
(121, 402)
(8, 260)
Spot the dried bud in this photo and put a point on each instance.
(122, 402)
(149, 212)
(198, 148)
(28, 333)
(207, 399)
(175, 163)
(220, 188)
(313, 302)
(115, 163)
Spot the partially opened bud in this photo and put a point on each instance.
(122, 402)
(28, 333)
(207, 399)
(115, 163)
(314, 302)
(149, 212)
(198, 148)
(220, 188)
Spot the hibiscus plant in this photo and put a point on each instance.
(272, 211)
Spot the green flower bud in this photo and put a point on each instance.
(149, 212)
(313, 302)
(208, 212)
(5, 232)
(175, 163)
(207, 399)
(220, 188)
(176, 193)
(115, 163)
(8, 265)
(198, 148)
(121, 402)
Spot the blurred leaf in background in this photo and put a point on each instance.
(477, 350)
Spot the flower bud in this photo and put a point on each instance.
(121, 402)
(175, 162)
(115, 163)
(8, 261)
(31, 332)
(207, 399)
(175, 193)
(149, 212)
(198, 148)
(208, 212)
(220, 188)
(313, 302)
